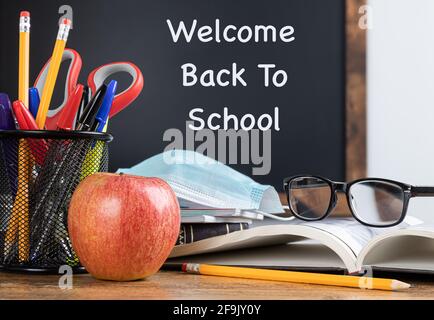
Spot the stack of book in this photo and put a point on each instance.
(199, 222)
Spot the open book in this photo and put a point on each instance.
(332, 244)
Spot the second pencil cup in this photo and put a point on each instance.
(39, 171)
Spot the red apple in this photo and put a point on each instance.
(123, 227)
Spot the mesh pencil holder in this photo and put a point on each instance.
(39, 171)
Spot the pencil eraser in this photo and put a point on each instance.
(67, 22)
(24, 14)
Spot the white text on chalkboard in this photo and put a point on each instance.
(231, 33)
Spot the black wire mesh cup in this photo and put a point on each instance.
(39, 171)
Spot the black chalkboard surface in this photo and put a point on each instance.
(311, 104)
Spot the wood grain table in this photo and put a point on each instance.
(167, 285)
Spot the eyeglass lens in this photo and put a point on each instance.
(309, 197)
(377, 203)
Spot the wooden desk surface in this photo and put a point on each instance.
(167, 285)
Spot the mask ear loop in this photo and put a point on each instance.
(275, 217)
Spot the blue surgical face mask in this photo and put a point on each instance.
(202, 180)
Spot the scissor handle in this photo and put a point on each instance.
(98, 76)
(70, 84)
(71, 79)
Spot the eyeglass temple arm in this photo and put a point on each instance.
(422, 191)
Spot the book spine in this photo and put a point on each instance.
(198, 231)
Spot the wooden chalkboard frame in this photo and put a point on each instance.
(355, 113)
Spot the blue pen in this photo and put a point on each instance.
(34, 101)
(104, 111)
(10, 151)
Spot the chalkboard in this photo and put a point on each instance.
(311, 105)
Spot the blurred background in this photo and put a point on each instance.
(400, 95)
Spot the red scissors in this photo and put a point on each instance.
(95, 79)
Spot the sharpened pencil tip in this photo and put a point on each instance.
(399, 285)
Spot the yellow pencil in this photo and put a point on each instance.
(19, 222)
(53, 71)
(20, 209)
(24, 156)
(297, 277)
(23, 69)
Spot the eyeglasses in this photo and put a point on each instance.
(373, 202)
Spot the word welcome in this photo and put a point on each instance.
(231, 33)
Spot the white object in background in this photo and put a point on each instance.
(400, 54)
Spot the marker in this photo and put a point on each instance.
(7, 121)
(87, 119)
(53, 71)
(103, 112)
(69, 112)
(26, 121)
(83, 103)
(24, 118)
(34, 101)
(93, 158)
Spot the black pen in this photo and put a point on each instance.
(83, 103)
(87, 119)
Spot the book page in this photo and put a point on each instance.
(356, 235)
(406, 249)
(351, 232)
